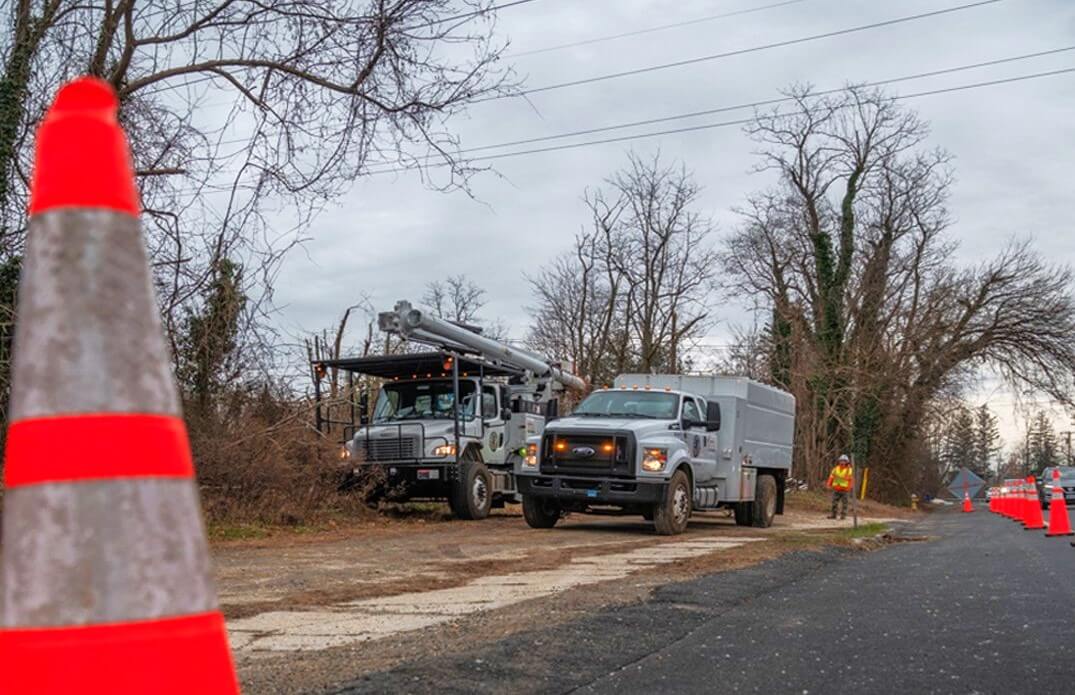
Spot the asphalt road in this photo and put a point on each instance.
(982, 607)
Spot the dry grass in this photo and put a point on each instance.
(261, 465)
(821, 501)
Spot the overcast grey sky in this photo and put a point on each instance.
(1012, 143)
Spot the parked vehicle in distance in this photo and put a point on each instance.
(1044, 484)
(662, 446)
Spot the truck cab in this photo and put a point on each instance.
(663, 446)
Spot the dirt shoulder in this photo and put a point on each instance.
(425, 553)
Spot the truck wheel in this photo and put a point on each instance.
(472, 493)
(671, 514)
(540, 512)
(764, 501)
(744, 513)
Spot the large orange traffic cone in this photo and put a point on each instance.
(1033, 520)
(967, 506)
(106, 579)
(1059, 524)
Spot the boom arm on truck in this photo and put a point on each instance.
(418, 326)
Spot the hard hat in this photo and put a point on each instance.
(843, 457)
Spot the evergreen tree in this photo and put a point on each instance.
(986, 442)
(959, 440)
(1042, 450)
(210, 336)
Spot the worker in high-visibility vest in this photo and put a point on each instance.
(840, 483)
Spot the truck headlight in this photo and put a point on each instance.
(445, 450)
(654, 460)
(530, 460)
(345, 453)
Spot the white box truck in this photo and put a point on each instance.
(664, 445)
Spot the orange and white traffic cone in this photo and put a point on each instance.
(1033, 519)
(1018, 503)
(1059, 523)
(967, 506)
(105, 570)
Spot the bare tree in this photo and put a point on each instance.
(455, 299)
(245, 116)
(578, 313)
(873, 319)
(634, 292)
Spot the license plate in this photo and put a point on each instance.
(428, 474)
(591, 493)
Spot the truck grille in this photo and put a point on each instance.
(588, 454)
(389, 449)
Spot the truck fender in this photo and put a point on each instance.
(682, 461)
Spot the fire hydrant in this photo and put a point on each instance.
(914, 502)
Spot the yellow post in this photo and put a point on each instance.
(865, 479)
(914, 502)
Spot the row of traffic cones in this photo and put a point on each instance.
(1018, 501)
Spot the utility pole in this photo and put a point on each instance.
(1067, 446)
(1026, 454)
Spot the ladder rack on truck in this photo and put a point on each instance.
(452, 422)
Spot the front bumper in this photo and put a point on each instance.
(404, 480)
(613, 491)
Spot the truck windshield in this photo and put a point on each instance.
(663, 406)
(423, 400)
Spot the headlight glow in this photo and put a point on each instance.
(654, 460)
(530, 460)
(445, 450)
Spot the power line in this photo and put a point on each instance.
(766, 102)
(468, 15)
(725, 124)
(651, 30)
(744, 51)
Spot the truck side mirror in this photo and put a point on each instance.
(712, 416)
(505, 414)
(363, 419)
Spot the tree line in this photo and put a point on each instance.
(870, 320)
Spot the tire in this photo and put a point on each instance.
(471, 496)
(540, 512)
(764, 502)
(670, 516)
(744, 513)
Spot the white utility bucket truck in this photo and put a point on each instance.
(453, 422)
(664, 446)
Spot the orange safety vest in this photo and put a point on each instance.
(840, 478)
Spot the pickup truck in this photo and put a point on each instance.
(663, 446)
